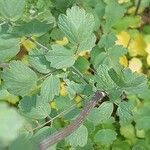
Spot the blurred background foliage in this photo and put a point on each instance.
(128, 20)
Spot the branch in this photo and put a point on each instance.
(60, 135)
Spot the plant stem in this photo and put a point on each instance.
(74, 68)
(80, 74)
(42, 78)
(137, 7)
(39, 44)
(52, 119)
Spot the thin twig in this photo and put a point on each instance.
(39, 44)
(137, 7)
(52, 119)
(128, 43)
(43, 77)
(80, 74)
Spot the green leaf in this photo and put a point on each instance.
(97, 56)
(9, 47)
(107, 40)
(50, 88)
(32, 28)
(63, 102)
(78, 27)
(19, 79)
(104, 81)
(113, 56)
(128, 21)
(121, 145)
(79, 137)
(38, 61)
(5, 95)
(73, 88)
(87, 44)
(23, 142)
(63, 4)
(142, 118)
(105, 136)
(134, 83)
(13, 9)
(33, 107)
(141, 144)
(82, 64)
(143, 123)
(101, 114)
(60, 57)
(129, 82)
(128, 132)
(116, 77)
(100, 9)
(124, 112)
(112, 15)
(10, 124)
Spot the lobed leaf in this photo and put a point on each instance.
(101, 114)
(19, 79)
(50, 88)
(60, 57)
(38, 61)
(78, 27)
